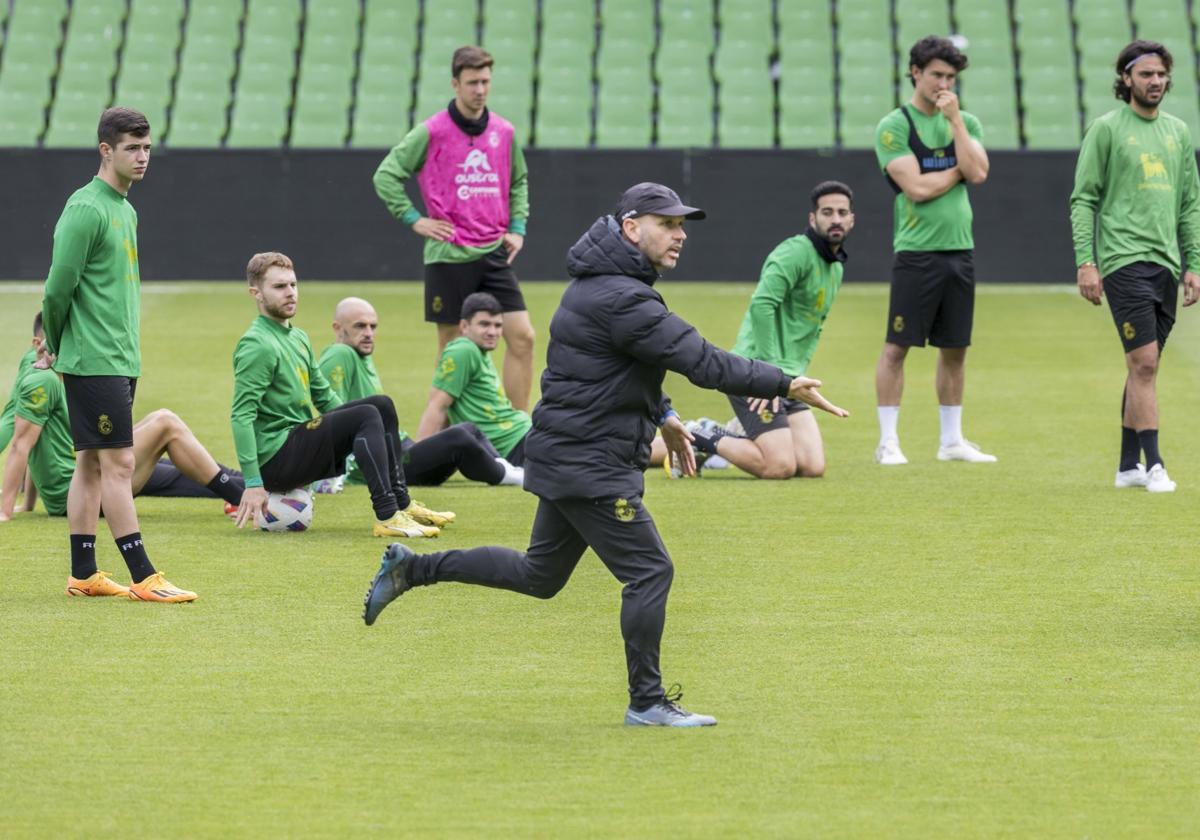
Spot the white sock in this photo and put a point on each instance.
(951, 416)
(889, 416)
(513, 476)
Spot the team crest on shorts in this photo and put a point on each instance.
(436, 304)
(1128, 331)
(766, 415)
(624, 510)
(104, 425)
(898, 324)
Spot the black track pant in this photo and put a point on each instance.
(368, 428)
(167, 480)
(462, 447)
(620, 531)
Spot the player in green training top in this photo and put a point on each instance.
(1136, 201)
(350, 369)
(42, 443)
(930, 151)
(90, 313)
(471, 172)
(466, 388)
(787, 311)
(289, 427)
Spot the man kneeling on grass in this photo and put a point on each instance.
(282, 437)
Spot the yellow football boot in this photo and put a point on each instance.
(158, 588)
(403, 525)
(99, 585)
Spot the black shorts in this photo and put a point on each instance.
(1142, 297)
(448, 284)
(757, 423)
(516, 455)
(310, 453)
(933, 299)
(101, 410)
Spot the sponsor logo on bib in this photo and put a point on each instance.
(476, 177)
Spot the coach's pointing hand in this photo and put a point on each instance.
(254, 500)
(1090, 284)
(805, 390)
(433, 229)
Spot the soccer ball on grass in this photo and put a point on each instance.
(290, 511)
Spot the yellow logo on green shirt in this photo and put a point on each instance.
(447, 369)
(1152, 167)
(37, 399)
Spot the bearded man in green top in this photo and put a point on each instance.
(929, 151)
(91, 318)
(796, 289)
(349, 366)
(1136, 201)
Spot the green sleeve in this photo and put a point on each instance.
(454, 370)
(322, 394)
(338, 369)
(35, 400)
(402, 163)
(1089, 189)
(779, 274)
(1189, 205)
(253, 371)
(891, 139)
(73, 238)
(518, 191)
(974, 126)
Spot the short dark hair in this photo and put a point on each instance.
(477, 302)
(470, 58)
(933, 47)
(831, 188)
(117, 121)
(37, 323)
(1129, 57)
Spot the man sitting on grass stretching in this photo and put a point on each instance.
(282, 439)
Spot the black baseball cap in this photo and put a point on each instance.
(649, 197)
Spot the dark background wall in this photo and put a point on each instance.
(203, 213)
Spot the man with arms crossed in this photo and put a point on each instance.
(929, 151)
(348, 366)
(42, 442)
(787, 311)
(1136, 200)
(91, 316)
(612, 340)
(472, 176)
(290, 429)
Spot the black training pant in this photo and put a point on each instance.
(620, 531)
(462, 447)
(167, 480)
(369, 429)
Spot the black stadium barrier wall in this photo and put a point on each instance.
(203, 213)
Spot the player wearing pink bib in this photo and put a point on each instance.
(473, 182)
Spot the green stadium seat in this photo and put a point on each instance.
(917, 18)
(387, 64)
(690, 20)
(510, 19)
(746, 117)
(258, 121)
(324, 88)
(685, 114)
(623, 120)
(207, 62)
(565, 102)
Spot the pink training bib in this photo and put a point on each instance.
(465, 179)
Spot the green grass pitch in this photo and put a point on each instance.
(934, 650)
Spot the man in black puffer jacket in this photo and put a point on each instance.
(611, 342)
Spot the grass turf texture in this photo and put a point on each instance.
(939, 649)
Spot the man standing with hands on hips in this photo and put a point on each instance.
(612, 341)
(472, 176)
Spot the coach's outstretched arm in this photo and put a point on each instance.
(643, 327)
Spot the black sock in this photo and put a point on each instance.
(707, 441)
(134, 555)
(228, 487)
(1148, 438)
(1131, 449)
(83, 556)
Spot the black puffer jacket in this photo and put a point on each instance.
(611, 342)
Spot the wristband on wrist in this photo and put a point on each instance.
(662, 421)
